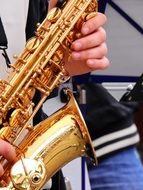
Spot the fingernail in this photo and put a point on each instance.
(85, 30)
(77, 46)
(75, 55)
(90, 63)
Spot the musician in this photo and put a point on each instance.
(89, 53)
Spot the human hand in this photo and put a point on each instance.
(52, 4)
(8, 152)
(89, 52)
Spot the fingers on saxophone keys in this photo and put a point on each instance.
(93, 53)
(93, 24)
(90, 41)
(7, 151)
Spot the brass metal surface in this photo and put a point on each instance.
(62, 137)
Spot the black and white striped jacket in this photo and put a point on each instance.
(110, 122)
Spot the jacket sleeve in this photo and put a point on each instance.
(104, 113)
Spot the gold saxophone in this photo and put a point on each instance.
(43, 149)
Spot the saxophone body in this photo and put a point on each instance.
(43, 149)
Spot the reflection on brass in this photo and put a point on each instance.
(54, 14)
(41, 150)
(32, 44)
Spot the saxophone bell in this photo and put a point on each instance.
(55, 142)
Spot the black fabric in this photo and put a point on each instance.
(3, 38)
(36, 13)
(58, 182)
(102, 5)
(135, 94)
(4, 44)
(104, 114)
(60, 3)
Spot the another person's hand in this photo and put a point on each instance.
(8, 152)
(89, 52)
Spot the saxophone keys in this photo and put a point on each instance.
(29, 128)
(91, 15)
(3, 110)
(4, 132)
(2, 86)
(80, 22)
(33, 44)
(70, 38)
(67, 23)
(26, 96)
(58, 56)
(16, 118)
(15, 68)
(54, 15)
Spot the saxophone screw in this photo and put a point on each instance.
(36, 178)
